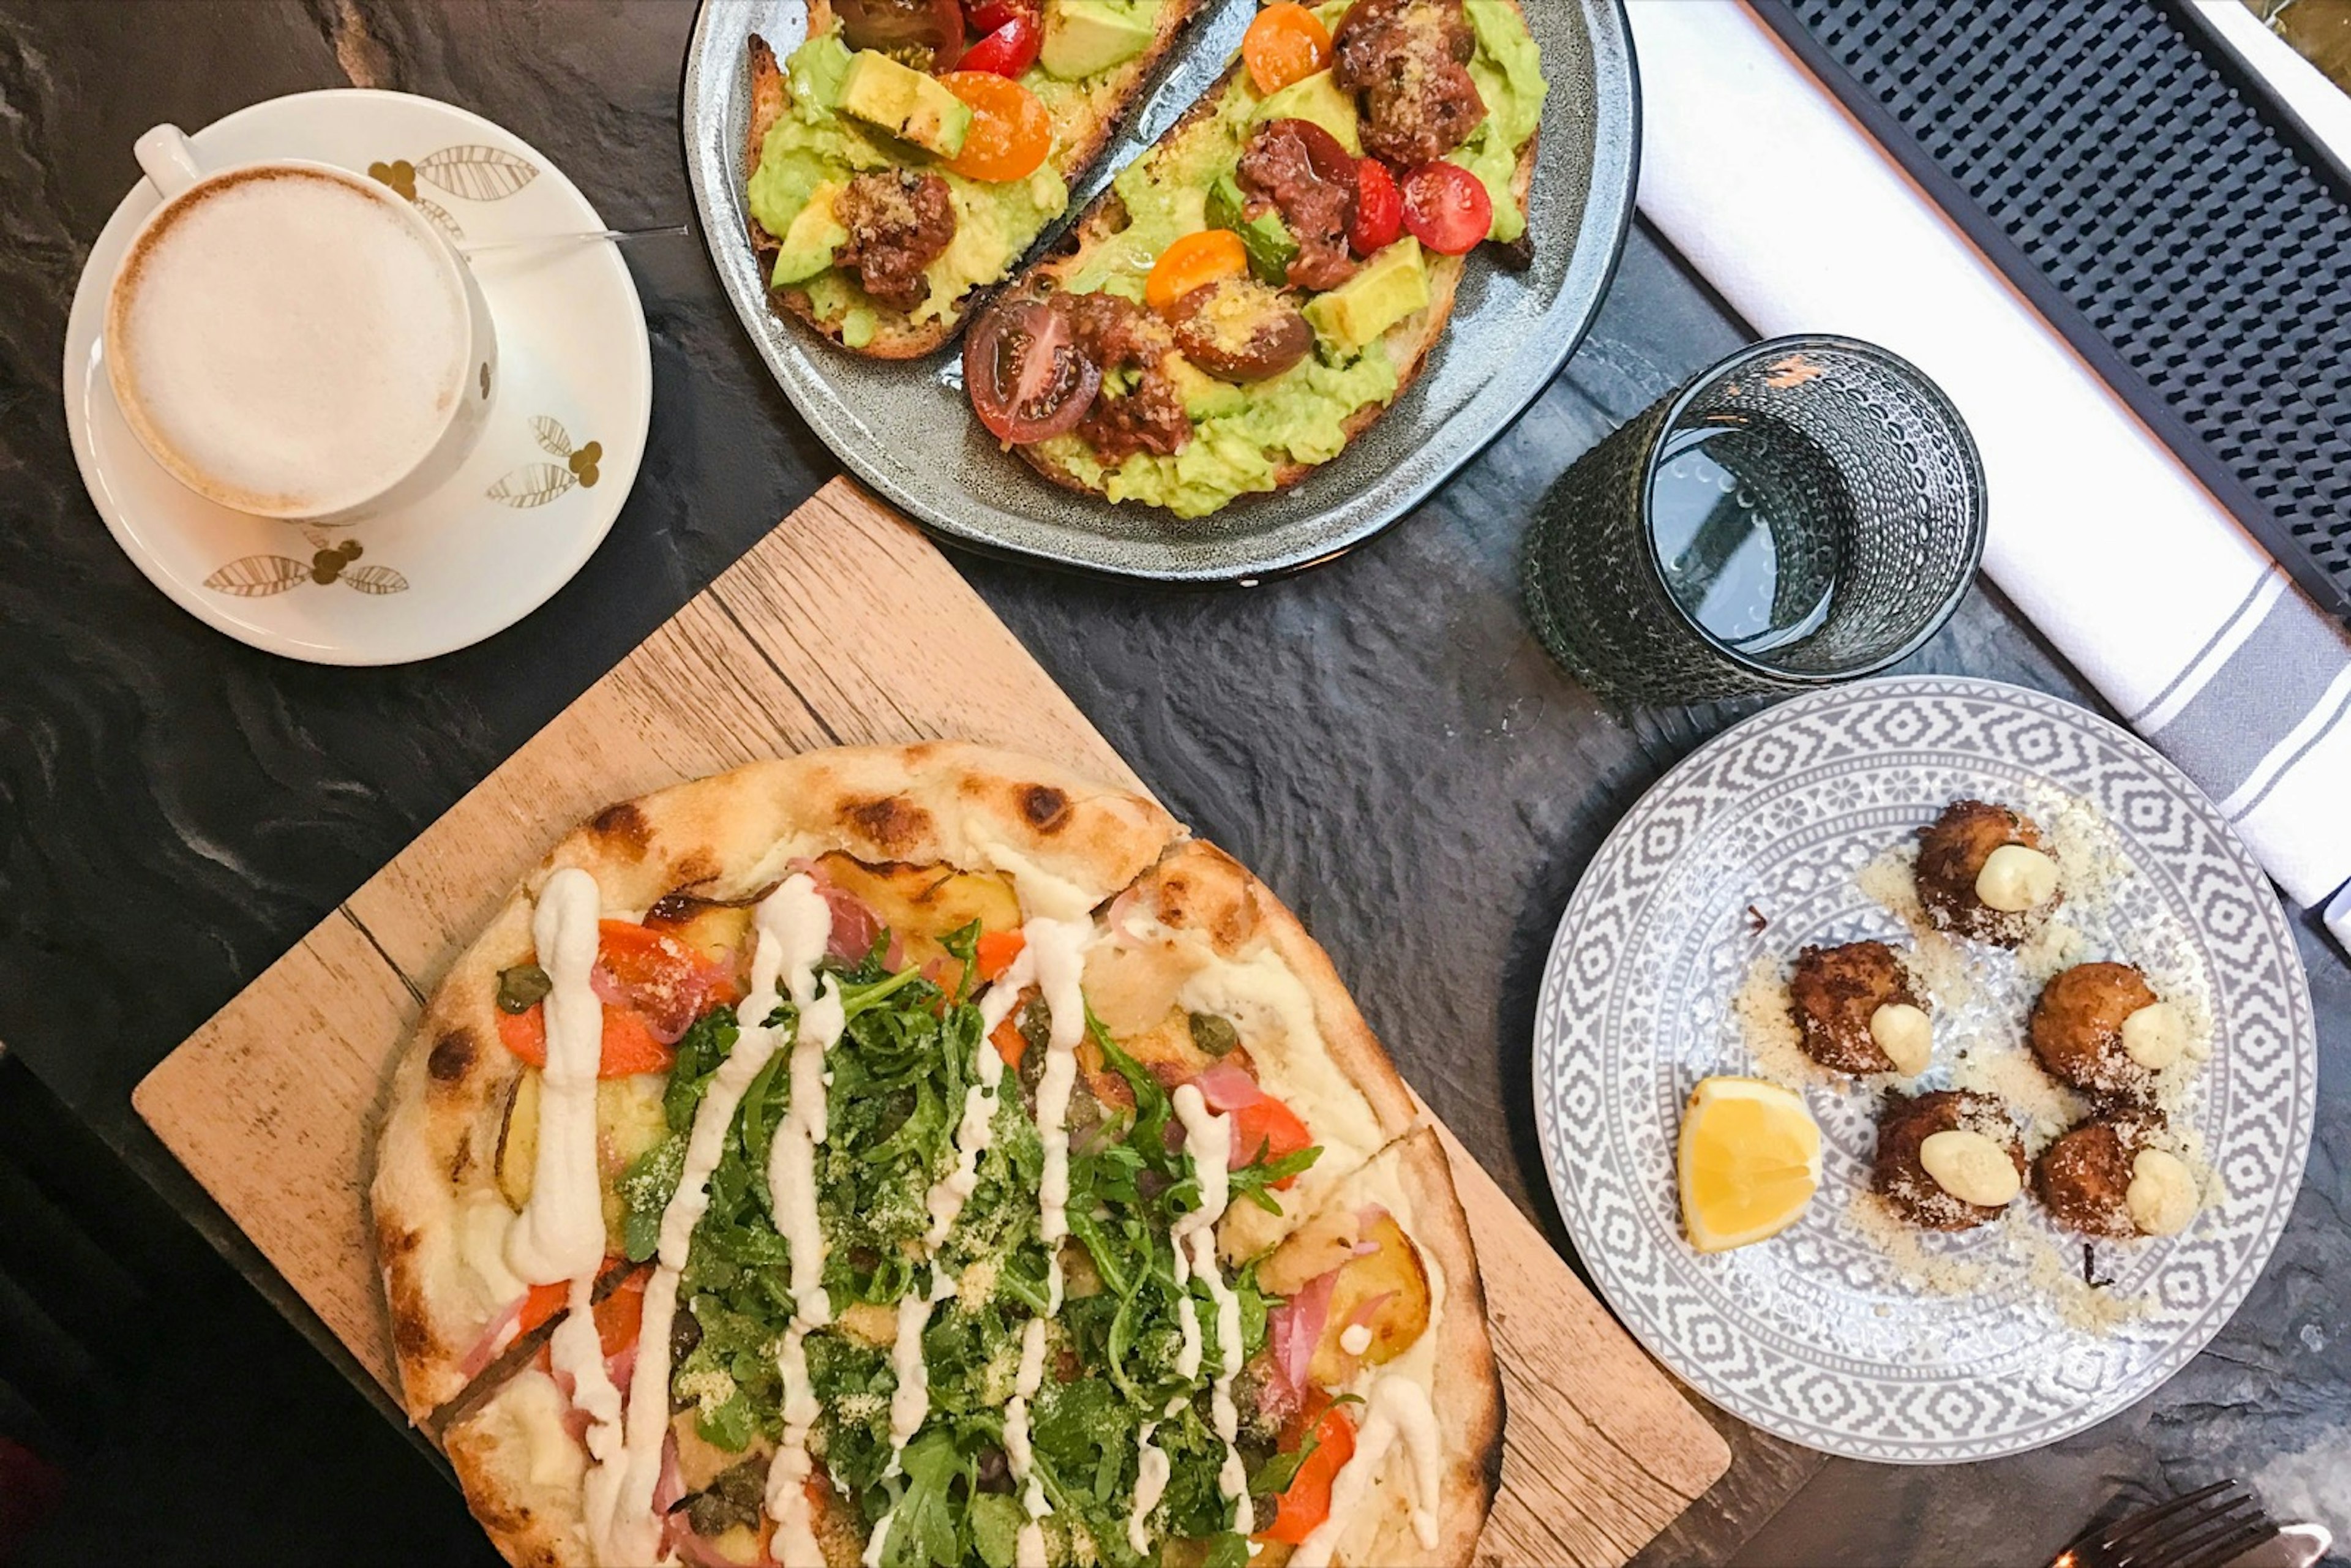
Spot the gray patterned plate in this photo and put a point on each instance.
(906, 430)
(1829, 1334)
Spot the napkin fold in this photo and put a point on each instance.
(1759, 177)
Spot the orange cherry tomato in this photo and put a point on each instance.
(1307, 1502)
(1009, 1042)
(1286, 44)
(543, 1303)
(628, 1048)
(1011, 134)
(622, 1315)
(1265, 1130)
(1193, 262)
(998, 950)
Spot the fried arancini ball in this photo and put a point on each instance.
(1952, 852)
(1900, 1175)
(2077, 1028)
(2083, 1178)
(1836, 992)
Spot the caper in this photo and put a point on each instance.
(522, 987)
(1214, 1035)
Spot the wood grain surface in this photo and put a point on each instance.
(843, 627)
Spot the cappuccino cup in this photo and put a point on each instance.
(290, 339)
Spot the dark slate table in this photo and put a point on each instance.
(1381, 738)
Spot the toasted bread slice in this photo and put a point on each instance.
(1080, 142)
(1408, 343)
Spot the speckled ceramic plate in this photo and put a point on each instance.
(1834, 1334)
(521, 515)
(906, 430)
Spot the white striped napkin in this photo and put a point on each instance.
(1756, 176)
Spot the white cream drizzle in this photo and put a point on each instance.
(1151, 1472)
(630, 1532)
(1060, 948)
(1208, 1139)
(1398, 1409)
(576, 1352)
(803, 924)
(559, 1234)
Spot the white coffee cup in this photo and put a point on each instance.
(290, 339)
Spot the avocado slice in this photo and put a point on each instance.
(1083, 36)
(1391, 286)
(1320, 99)
(1266, 237)
(905, 103)
(807, 245)
(1204, 397)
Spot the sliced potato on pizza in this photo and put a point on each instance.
(1023, 1189)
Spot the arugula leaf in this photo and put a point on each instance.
(707, 1043)
(996, 1522)
(964, 945)
(645, 1189)
(925, 1532)
(1251, 1181)
(1227, 1549)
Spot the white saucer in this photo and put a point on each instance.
(566, 434)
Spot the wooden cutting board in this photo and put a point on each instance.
(845, 626)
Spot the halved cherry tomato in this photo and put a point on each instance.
(1306, 1504)
(1011, 134)
(659, 975)
(996, 951)
(1265, 1130)
(1008, 50)
(620, 1315)
(986, 16)
(628, 1047)
(1193, 262)
(543, 1303)
(1011, 1043)
(1379, 209)
(1286, 44)
(1447, 208)
(1026, 378)
(891, 26)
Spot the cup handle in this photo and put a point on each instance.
(168, 159)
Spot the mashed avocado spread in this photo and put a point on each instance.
(813, 144)
(1240, 446)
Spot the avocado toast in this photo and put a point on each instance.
(887, 193)
(1248, 298)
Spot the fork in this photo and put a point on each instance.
(2202, 1528)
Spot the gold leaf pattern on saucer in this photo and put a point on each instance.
(478, 173)
(550, 434)
(258, 576)
(532, 484)
(375, 579)
(440, 216)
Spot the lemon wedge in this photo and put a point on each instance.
(1750, 1160)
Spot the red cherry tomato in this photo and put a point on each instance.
(1008, 50)
(988, 16)
(1379, 209)
(1028, 379)
(1446, 208)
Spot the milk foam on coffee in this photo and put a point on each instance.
(294, 344)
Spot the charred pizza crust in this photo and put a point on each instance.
(897, 336)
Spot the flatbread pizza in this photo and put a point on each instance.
(914, 1156)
